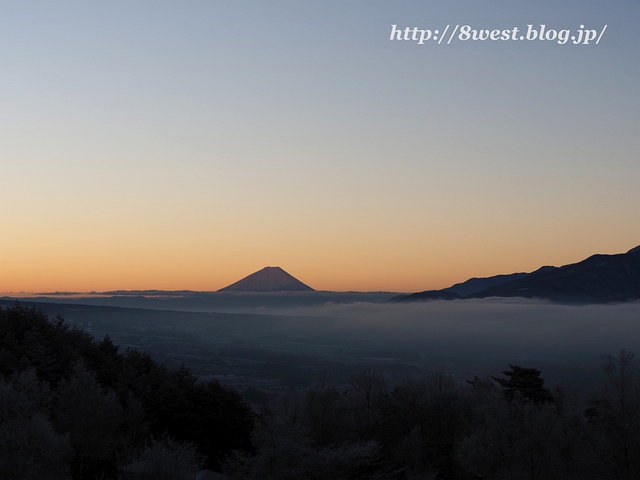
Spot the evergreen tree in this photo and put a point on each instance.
(104, 402)
(525, 382)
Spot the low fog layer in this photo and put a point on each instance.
(518, 323)
(482, 335)
(463, 337)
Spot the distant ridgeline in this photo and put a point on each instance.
(598, 279)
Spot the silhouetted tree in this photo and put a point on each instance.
(284, 451)
(526, 382)
(91, 415)
(29, 445)
(107, 402)
(368, 395)
(613, 416)
(324, 412)
(163, 459)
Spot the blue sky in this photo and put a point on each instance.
(187, 144)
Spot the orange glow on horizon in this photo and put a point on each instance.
(86, 271)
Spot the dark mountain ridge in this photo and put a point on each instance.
(475, 285)
(597, 279)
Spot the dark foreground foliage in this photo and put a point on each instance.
(72, 407)
(433, 428)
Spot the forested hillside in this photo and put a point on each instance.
(431, 428)
(72, 407)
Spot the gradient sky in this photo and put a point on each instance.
(186, 144)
